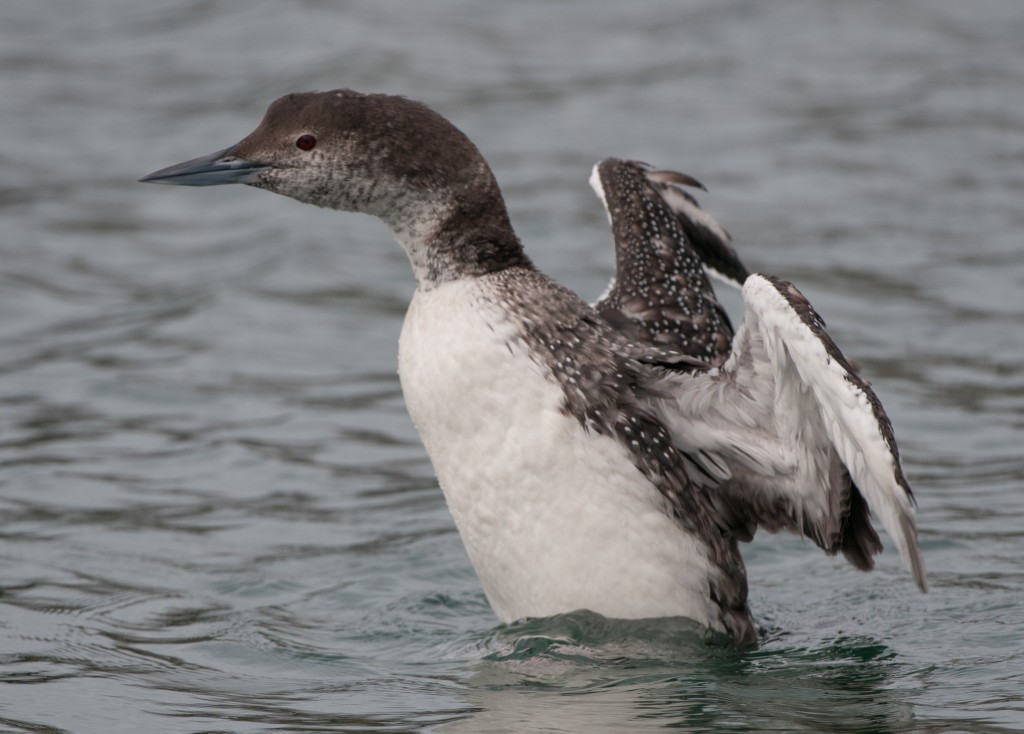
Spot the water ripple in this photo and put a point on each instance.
(215, 514)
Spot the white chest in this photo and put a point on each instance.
(554, 518)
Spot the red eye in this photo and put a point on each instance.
(305, 142)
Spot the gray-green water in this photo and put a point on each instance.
(214, 513)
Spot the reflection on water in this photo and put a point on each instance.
(214, 512)
(584, 673)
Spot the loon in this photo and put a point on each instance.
(608, 457)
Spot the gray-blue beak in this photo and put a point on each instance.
(222, 167)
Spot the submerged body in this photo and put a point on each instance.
(607, 458)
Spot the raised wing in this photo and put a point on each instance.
(786, 434)
(664, 242)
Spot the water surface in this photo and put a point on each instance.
(215, 514)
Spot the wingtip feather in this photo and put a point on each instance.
(911, 552)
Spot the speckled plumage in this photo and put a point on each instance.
(607, 459)
(660, 294)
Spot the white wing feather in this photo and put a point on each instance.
(848, 409)
(787, 414)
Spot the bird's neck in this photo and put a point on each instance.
(459, 232)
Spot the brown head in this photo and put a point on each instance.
(378, 154)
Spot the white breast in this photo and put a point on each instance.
(554, 518)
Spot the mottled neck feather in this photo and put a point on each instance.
(463, 232)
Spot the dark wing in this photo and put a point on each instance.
(664, 242)
(786, 434)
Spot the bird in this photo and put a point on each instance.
(608, 457)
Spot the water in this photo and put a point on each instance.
(214, 513)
